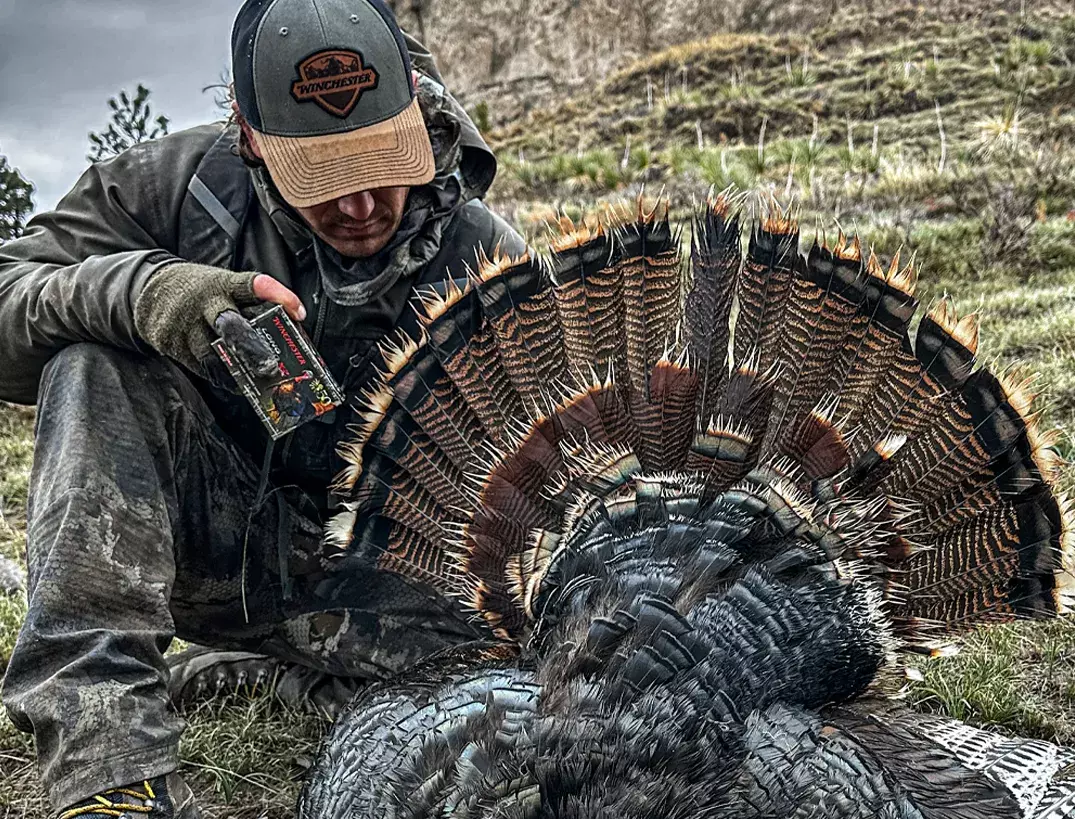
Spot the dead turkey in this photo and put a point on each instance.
(702, 511)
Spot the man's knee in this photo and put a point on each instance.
(99, 383)
(104, 367)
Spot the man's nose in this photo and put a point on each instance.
(359, 206)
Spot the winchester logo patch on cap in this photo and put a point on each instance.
(334, 79)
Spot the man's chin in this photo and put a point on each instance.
(357, 247)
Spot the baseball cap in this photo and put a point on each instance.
(326, 85)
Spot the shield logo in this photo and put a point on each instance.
(334, 79)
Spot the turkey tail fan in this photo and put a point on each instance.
(564, 414)
(698, 513)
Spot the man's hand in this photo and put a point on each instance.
(185, 306)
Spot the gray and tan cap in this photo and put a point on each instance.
(326, 85)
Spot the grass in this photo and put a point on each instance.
(1015, 678)
(244, 760)
(892, 80)
(946, 136)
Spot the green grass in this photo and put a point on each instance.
(1015, 678)
(16, 450)
(244, 760)
(892, 79)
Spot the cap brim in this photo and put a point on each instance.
(312, 170)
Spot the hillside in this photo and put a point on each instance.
(944, 131)
(851, 116)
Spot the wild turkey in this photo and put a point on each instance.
(701, 515)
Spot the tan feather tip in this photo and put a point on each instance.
(479, 601)
(576, 237)
(889, 445)
(778, 219)
(515, 574)
(729, 432)
(724, 203)
(873, 266)
(434, 305)
(904, 279)
(651, 210)
(546, 545)
(674, 354)
(751, 365)
(825, 409)
(351, 453)
(371, 411)
(397, 351)
(792, 496)
(340, 529)
(946, 650)
(849, 249)
(1044, 445)
(499, 265)
(964, 331)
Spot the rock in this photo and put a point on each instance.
(12, 577)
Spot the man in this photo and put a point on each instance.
(348, 181)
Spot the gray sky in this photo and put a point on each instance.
(60, 61)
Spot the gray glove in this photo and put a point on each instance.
(184, 307)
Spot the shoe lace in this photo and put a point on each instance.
(115, 802)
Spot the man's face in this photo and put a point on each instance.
(357, 225)
(360, 224)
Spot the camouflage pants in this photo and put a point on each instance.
(140, 529)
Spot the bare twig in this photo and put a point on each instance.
(944, 140)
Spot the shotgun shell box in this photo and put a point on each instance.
(302, 390)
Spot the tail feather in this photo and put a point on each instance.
(716, 259)
(764, 285)
(666, 415)
(517, 302)
(652, 282)
(468, 351)
(872, 346)
(823, 308)
(729, 444)
(589, 295)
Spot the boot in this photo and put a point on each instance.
(163, 797)
(200, 673)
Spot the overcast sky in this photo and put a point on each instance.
(60, 61)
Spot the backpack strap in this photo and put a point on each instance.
(213, 211)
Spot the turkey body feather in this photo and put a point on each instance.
(700, 508)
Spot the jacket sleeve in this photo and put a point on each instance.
(76, 272)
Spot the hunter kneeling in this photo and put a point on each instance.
(157, 507)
